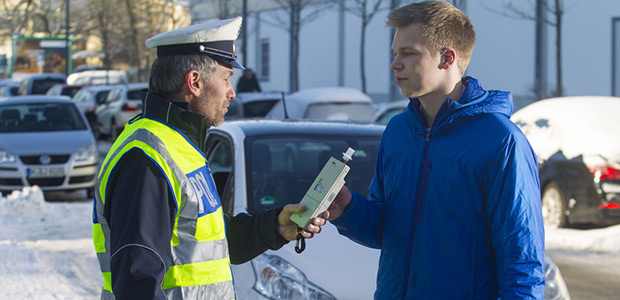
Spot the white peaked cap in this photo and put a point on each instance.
(214, 38)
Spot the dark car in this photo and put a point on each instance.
(576, 141)
(39, 84)
(9, 88)
(252, 105)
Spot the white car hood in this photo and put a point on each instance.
(333, 262)
(45, 142)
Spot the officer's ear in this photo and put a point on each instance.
(194, 82)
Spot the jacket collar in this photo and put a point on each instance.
(473, 101)
(178, 116)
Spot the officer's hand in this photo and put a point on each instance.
(288, 228)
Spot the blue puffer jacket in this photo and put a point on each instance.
(456, 212)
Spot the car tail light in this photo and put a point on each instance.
(604, 172)
(610, 206)
(126, 107)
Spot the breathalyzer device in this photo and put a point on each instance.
(324, 189)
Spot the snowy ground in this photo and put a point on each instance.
(46, 251)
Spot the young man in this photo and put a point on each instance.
(455, 201)
(158, 227)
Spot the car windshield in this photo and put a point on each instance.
(340, 111)
(280, 169)
(35, 117)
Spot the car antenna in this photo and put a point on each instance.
(284, 105)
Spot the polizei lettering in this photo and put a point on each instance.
(202, 182)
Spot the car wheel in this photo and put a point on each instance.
(553, 207)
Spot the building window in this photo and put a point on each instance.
(264, 70)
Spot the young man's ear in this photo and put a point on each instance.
(193, 81)
(447, 59)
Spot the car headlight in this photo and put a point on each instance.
(276, 278)
(555, 287)
(86, 154)
(6, 157)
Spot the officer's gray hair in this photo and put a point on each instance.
(168, 72)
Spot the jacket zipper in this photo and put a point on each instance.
(420, 198)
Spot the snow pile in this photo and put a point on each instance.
(27, 199)
(46, 248)
(603, 240)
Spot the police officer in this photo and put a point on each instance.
(158, 226)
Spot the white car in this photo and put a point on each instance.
(123, 103)
(89, 98)
(325, 103)
(258, 164)
(46, 141)
(389, 110)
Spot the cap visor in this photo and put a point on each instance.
(235, 64)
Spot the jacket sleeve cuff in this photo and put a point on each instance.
(269, 228)
(342, 220)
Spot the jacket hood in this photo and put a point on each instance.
(473, 102)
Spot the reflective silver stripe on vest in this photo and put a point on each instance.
(104, 261)
(219, 291)
(106, 295)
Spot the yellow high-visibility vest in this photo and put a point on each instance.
(201, 265)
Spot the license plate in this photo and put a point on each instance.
(46, 172)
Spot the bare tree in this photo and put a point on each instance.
(293, 24)
(552, 7)
(366, 11)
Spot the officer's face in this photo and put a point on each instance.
(213, 103)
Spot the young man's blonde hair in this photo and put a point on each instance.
(443, 26)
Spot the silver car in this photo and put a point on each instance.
(122, 103)
(46, 141)
(324, 103)
(259, 164)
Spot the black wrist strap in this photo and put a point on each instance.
(300, 241)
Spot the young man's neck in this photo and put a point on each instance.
(432, 103)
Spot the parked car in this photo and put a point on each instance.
(327, 103)
(88, 99)
(579, 157)
(39, 84)
(555, 286)
(63, 89)
(259, 164)
(389, 110)
(9, 88)
(252, 105)
(97, 77)
(122, 103)
(46, 141)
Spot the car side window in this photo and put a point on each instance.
(113, 96)
(220, 159)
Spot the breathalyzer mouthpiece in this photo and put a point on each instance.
(347, 156)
